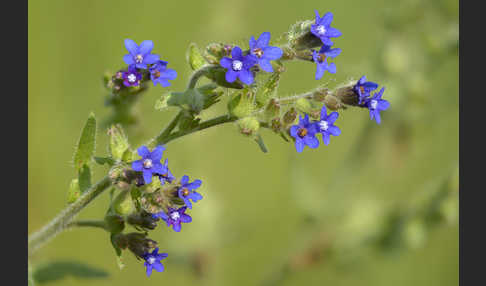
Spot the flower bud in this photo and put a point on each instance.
(114, 223)
(143, 219)
(276, 124)
(320, 94)
(290, 116)
(136, 242)
(333, 103)
(301, 38)
(272, 109)
(347, 95)
(248, 125)
(216, 49)
(123, 203)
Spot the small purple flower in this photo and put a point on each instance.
(326, 125)
(263, 52)
(363, 88)
(375, 104)
(187, 191)
(152, 261)
(174, 217)
(150, 163)
(166, 177)
(323, 30)
(304, 134)
(140, 56)
(238, 66)
(321, 60)
(131, 77)
(159, 73)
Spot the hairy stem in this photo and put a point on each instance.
(88, 223)
(197, 75)
(60, 222)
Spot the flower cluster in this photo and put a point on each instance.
(323, 30)
(168, 199)
(240, 64)
(140, 59)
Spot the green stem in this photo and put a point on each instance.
(203, 125)
(154, 142)
(88, 223)
(197, 75)
(60, 222)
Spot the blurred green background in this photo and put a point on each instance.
(378, 206)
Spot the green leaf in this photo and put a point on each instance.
(84, 178)
(62, 269)
(73, 192)
(190, 99)
(104, 160)
(194, 57)
(259, 141)
(86, 145)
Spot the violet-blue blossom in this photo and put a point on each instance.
(152, 261)
(140, 56)
(131, 77)
(320, 58)
(166, 177)
(304, 134)
(375, 104)
(238, 66)
(159, 73)
(174, 217)
(323, 30)
(326, 125)
(363, 88)
(187, 191)
(150, 163)
(263, 52)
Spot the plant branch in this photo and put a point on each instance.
(88, 223)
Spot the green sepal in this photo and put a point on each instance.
(249, 125)
(129, 156)
(114, 223)
(194, 57)
(73, 192)
(268, 89)
(187, 121)
(118, 252)
(242, 105)
(118, 142)
(211, 94)
(86, 145)
(161, 103)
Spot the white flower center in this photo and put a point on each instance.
(131, 77)
(324, 125)
(237, 65)
(147, 163)
(373, 104)
(321, 30)
(151, 260)
(175, 215)
(139, 59)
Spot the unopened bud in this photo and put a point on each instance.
(123, 203)
(290, 116)
(118, 141)
(144, 220)
(216, 49)
(347, 95)
(333, 103)
(114, 223)
(320, 94)
(248, 125)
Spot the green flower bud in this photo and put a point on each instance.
(242, 104)
(194, 57)
(118, 141)
(304, 105)
(301, 38)
(114, 223)
(216, 49)
(290, 116)
(123, 203)
(249, 125)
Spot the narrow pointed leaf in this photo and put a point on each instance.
(86, 145)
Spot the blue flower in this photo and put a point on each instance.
(321, 60)
(363, 88)
(375, 104)
(174, 217)
(131, 77)
(326, 125)
(304, 134)
(140, 56)
(263, 52)
(187, 191)
(152, 261)
(150, 163)
(323, 30)
(159, 73)
(166, 177)
(238, 66)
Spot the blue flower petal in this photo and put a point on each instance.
(128, 59)
(326, 138)
(236, 52)
(246, 76)
(311, 141)
(131, 47)
(333, 32)
(231, 75)
(143, 151)
(184, 180)
(145, 47)
(326, 19)
(226, 62)
(334, 130)
(272, 53)
(157, 153)
(149, 269)
(265, 65)
(158, 266)
(299, 145)
(150, 59)
(137, 165)
(332, 117)
(263, 40)
(185, 218)
(147, 176)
